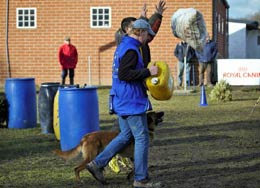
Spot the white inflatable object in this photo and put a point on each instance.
(189, 25)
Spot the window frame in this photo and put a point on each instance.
(23, 18)
(103, 19)
(258, 40)
(223, 26)
(219, 23)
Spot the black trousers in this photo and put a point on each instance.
(64, 74)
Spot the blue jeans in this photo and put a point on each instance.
(131, 127)
(180, 73)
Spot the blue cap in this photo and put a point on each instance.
(142, 24)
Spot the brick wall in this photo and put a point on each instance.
(33, 52)
(222, 37)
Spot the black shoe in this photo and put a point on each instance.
(96, 172)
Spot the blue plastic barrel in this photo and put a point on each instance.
(21, 97)
(45, 105)
(78, 113)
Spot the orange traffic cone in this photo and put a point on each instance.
(203, 98)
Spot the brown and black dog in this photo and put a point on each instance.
(94, 143)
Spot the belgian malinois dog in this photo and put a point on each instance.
(94, 143)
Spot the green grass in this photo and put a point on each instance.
(195, 147)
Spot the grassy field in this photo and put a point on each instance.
(217, 146)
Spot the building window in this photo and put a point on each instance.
(26, 18)
(258, 40)
(100, 17)
(222, 26)
(219, 23)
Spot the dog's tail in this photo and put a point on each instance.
(70, 154)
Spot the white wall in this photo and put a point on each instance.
(237, 40)
(253, 49)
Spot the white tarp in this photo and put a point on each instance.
(239, 71)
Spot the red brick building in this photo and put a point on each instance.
(32, 31)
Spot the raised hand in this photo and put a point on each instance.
(144, 10)
(160, 7)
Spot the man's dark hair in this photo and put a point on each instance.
(126, 23)
(119, 35)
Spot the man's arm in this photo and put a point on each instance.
(60, 55)
(156, 19)
(127, 68)
(176, 50)
(215, 51)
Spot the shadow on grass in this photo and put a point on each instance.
(188, 140)
(245, 99)
(231, 126)
(27, 146)
(208, 162)
(214, 154)
(214, 177)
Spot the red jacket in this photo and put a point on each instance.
(68, 56)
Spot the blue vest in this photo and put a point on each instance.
(129, 97)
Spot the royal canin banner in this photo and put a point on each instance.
(239, 71)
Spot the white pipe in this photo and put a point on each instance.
(184, 78)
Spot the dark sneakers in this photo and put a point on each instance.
(147, 183)
(98, 175)
(96, 172)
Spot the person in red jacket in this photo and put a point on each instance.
(68, 58)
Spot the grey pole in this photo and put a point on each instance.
(185, 64)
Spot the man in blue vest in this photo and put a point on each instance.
(130, 103)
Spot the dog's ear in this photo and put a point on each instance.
(155, 117)
(151, 120)
(159, 117)
(160, 114)
(150, 117)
